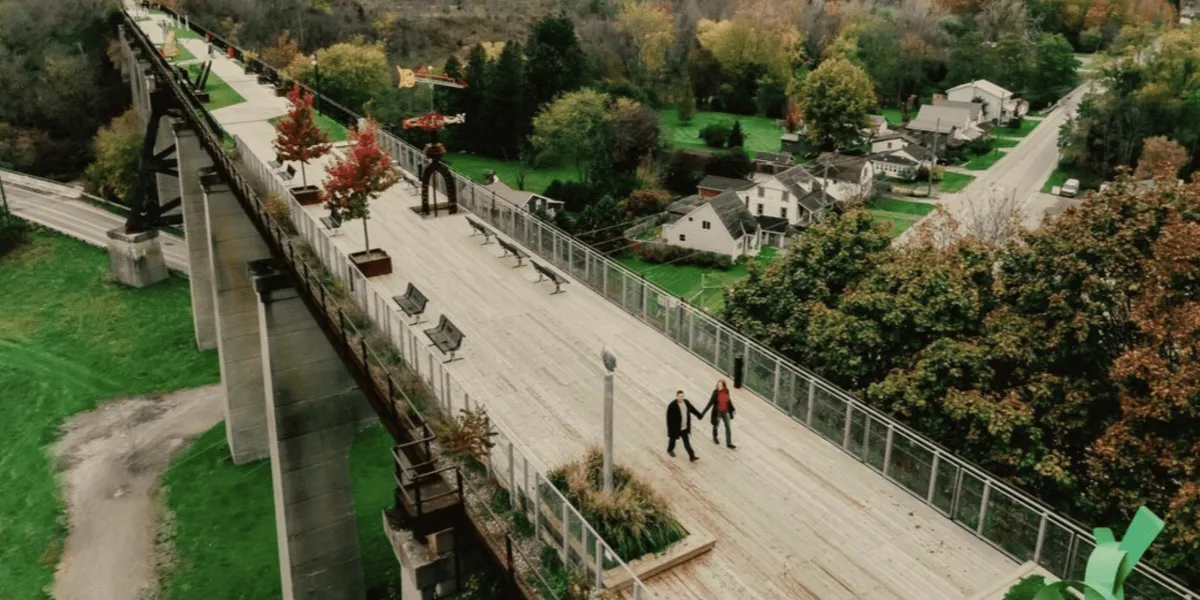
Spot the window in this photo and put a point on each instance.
(682, 238)
(760, 210)
(783, 213)
(784, 197)
(705, 225)
(690, 219)
(762, 192)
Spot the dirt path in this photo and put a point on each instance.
(111, 459)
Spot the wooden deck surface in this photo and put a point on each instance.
(793, 516)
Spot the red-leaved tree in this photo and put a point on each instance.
(365, 173)
(297, 137)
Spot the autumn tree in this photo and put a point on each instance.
(297, 136)
(650, 26)
(118, 149)
(283, 50)
(836, 99)
(792, 117)
(571, 128)
(1161, 159)
(648, 201)
(361, 176)
(352, 73)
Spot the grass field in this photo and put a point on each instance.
(983, 162)
(899, 214)
(333, 129)
(955, 182)
(535, 180)
(1060, 175)
(224, 532)
(1027, 126)
(220, 94)
(68, 341)
(761, 133)
(894, 116)
(700, 286)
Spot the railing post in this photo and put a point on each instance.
(812, 395)
(537, 506)
(625, 293)
(775, 394)
(1041, 539)
(508, 556)
(604, 280)
(566, 531)
(645, 300)
(887, 452)
(512, 477)
(846, 428)
(599, 563)
(983, 502)
(691, 328)
(937, 458)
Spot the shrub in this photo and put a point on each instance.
(980, 146)
(734, 163)
(12, 232)
(649, 201)
(632, 517)
(665, 253)
(1026, 589)
(737, 139)
(468, 435)
(715, 135)
(279, 212)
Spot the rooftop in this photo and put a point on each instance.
(985, 85)
(716, 182)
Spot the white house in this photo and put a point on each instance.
(720, 224)
(528, 200)
(952, 122)
(845, 177)
(998, 103)
(893, 140)
(802, 195)
(900, 156)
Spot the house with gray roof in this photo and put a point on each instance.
(528, 200)
(720, 224)
(954, 122)
(773, 162)
(713, 185)
(997, 103)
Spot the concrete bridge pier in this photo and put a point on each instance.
(233, 242)
(314, 410)
(192, 159)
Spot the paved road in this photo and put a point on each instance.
(58, 210)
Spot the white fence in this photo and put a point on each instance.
(555, 520)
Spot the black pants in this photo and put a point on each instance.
(687, 445)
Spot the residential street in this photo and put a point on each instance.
(1022, 171)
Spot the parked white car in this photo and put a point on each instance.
(1070, 188)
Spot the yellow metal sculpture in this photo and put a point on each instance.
(1111, 562)
(171, 48)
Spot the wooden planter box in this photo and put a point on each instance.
(282, 90)
(307, 195)
(249, 68)
(264, 79)
(373, 263)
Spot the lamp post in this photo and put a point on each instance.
(610, 367)
(317, 75)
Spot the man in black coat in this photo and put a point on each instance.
(679, 424)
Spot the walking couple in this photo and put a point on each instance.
(679, 419)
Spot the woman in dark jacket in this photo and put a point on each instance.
(721, 405)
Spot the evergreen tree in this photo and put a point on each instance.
(505, 107)
(555, 62)
(737, 139)
(473, 132)
(449, 100)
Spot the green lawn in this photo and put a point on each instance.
(896, 205)
(333, 129)
(897, 222)
(1087, 179)
(894, 116)
(1004, 142)
(1027, 126)
(983, 162)
(536, 180)
(220, 94)
(761, 133)
(955, 182)
(183, 33)
(700, 286)
(224, 525)
(68, 341)
(184, 54)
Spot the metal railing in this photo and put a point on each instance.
(1010, 520)
(556, 521)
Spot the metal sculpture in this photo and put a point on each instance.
(1111, 562)
(432, 122)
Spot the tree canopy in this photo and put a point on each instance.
(835, 100)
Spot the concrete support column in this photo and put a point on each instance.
(314, 409)
(232, 242)
(136, 259)
(192, 160)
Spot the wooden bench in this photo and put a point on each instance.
(446, 337)
(412, 302)
(545, 272)
(289, 173)
(480, 228)
(332, 224)
(511, 250)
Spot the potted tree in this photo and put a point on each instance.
(353, 182)
(297, 138)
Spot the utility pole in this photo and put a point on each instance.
(933, 163)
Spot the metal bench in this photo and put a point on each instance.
(332, 224)
(412, 302)
(289, 173)
(446, 337)
(480, 228)
(511, 250)
(545, 272)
